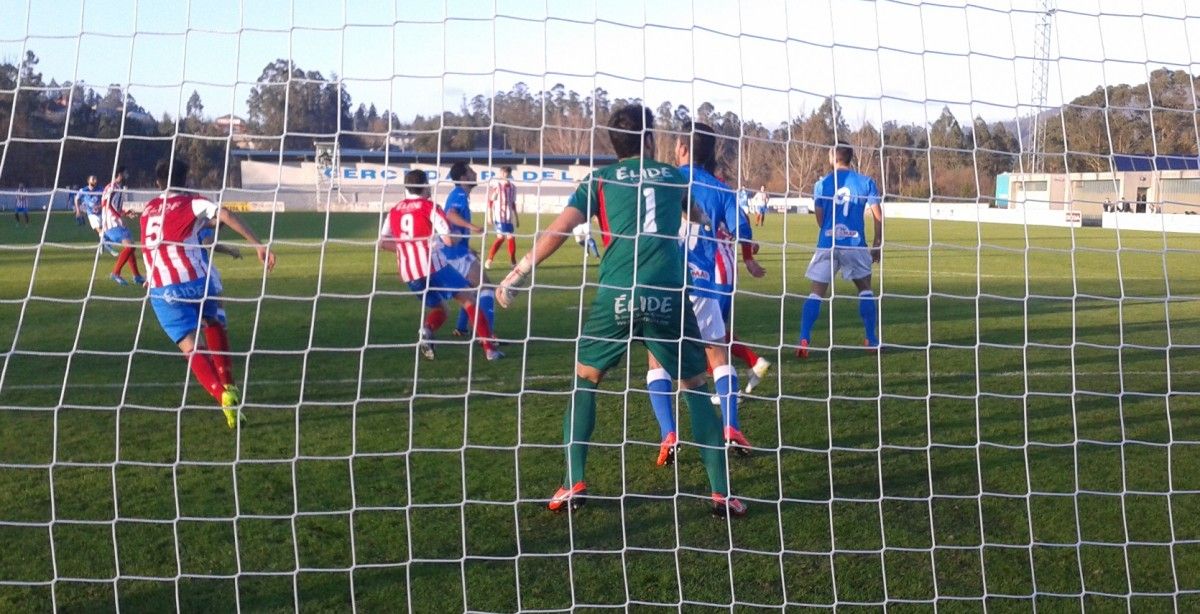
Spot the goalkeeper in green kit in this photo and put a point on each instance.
(639, 204)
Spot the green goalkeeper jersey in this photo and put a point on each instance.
(639, 204)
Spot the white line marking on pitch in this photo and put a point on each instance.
(565, 376)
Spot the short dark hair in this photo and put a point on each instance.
(702, 142)
(459, 170)
(506, 170)
(627, 127)
(415, 181)
(843, 153)
(169, 171)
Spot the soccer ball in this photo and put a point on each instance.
(582, 233)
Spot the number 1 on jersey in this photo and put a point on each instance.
(649, 222)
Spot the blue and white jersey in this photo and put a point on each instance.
(206, 236)
(844, 195)
(89, 199)
(711, 263)
(459, 202)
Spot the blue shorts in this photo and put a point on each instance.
(117, 235)
(180, 307)
(440, 286)
(22, 209)
(505, 228)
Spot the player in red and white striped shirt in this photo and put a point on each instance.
(409, 229)
(502, 210)
(113, 230)
(182, 291)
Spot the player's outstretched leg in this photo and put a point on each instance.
(808, 317)
(868, 308)
(133, 266)
(127, 255)
(217, 339)
(487, 306)
(578, 425)
(462, 326)
(727, 391)
(483, 331)
(205, 371)
(706, 430)
(658, 382)
(434, 318)
(487, 264)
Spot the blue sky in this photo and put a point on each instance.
(765, 59)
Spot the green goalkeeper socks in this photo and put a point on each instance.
(580, 421)
(706, 430)
(578, 424)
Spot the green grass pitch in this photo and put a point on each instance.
(1033, 428)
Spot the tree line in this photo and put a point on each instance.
(47, 125)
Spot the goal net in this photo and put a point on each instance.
(1025, 433)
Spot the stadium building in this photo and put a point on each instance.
(1162, 184)
(365, 180)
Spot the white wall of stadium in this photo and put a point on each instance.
(366, 186)
(1072, 218)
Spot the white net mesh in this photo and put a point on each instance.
(1027, 439)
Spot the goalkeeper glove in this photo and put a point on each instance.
(513, 281)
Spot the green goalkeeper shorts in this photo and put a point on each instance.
(661, 319)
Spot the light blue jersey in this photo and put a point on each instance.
(711, 263)
(89, 199)
(459, 202)
(844, 195)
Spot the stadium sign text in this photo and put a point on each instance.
(387, 174)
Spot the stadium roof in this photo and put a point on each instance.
(496, 156)
(1149, 162)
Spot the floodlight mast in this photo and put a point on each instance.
(1041, 84)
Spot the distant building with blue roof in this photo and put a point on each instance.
(1136, 183)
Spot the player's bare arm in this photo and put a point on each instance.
(228, 250)
(387, 244)
(458, 220)
(877, 245)
(235, 222)
(695, 213)
(547, 243)
(749, 249)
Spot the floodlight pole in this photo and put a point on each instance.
(1041, 85)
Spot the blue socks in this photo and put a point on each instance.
(869, 310)
(808, 316)
(462, 325)
(487, 304)
(727, 389)
(658, 382)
